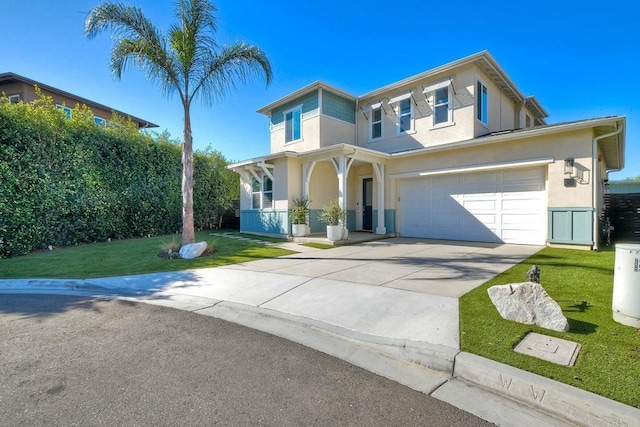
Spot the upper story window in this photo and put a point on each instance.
(376, 123)
(441, 108)
(482, 100)
(293, 124)
(14, 99)
(528, 121)
(100, 121)
(262, 195)
(404, 112)
(405, 116)
(66, 110)
(438, 96)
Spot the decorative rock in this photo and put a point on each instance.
(192, 250)
(530, 304)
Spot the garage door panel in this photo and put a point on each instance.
(479, 205)
(500, 206)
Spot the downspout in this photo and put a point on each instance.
(594, 194)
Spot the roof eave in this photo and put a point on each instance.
(303, 91)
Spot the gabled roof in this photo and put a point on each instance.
(14, 78)
(303, 91)
(483, 60)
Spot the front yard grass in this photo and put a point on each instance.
(132, 256)
(582, 283)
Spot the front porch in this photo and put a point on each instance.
(354, 176)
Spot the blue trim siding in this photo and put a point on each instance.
(389, 220)
(309, 103)
(265, 221)
(351, 220)
(338, 107)
(571, 226)
(315, 224)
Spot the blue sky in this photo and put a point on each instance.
(579, 58)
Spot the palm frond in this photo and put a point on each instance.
(237, 62)
(137, 40)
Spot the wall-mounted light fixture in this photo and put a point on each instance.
(569, 166)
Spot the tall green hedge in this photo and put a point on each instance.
(68, 181)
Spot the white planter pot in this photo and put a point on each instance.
(334, 232)
(299, 230)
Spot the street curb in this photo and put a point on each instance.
(561, 400)
(442, 372)
(420, 369)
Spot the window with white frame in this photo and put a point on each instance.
(262, 195)
(66, 110)
(441, 106)
(376, 123)
(482, 100)
(100, 121)
(405, 116)
(14, 99)
(528, 121)
(293, 124)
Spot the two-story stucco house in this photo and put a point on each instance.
(457, 152)
(18, 88)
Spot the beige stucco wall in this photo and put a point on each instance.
(334, 131)
(503, 114)
(569, 144)
(323, 185)
(310, 136)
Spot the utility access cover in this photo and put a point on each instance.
(554, 350)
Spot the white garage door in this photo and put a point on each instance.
(499, 206)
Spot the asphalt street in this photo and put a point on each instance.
(82, 361)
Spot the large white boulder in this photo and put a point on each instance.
(192, 250)
(528, 303)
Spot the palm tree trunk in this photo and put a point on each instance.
(188, 232)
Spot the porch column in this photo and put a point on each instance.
(307, 169)
(379, 171)
(342, 166)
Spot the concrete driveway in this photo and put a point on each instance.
(394, 290)
(434, 267)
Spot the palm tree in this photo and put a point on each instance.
(187, 60)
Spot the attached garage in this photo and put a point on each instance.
(501, 206)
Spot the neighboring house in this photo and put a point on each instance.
(18, 88)
(457, 152)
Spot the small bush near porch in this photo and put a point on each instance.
(582, 283)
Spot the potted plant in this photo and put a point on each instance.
(334, 216)
(298, 217)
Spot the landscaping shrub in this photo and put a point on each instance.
(68, 181)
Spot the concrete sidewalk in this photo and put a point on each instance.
(389, 306)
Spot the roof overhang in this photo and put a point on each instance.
(15, 78)
(266, 110)
(359, 154)
(612, 147)
(483, 60)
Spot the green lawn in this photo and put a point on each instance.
(582, 283)
(134, 256)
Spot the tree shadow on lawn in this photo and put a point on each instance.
(580, 327)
